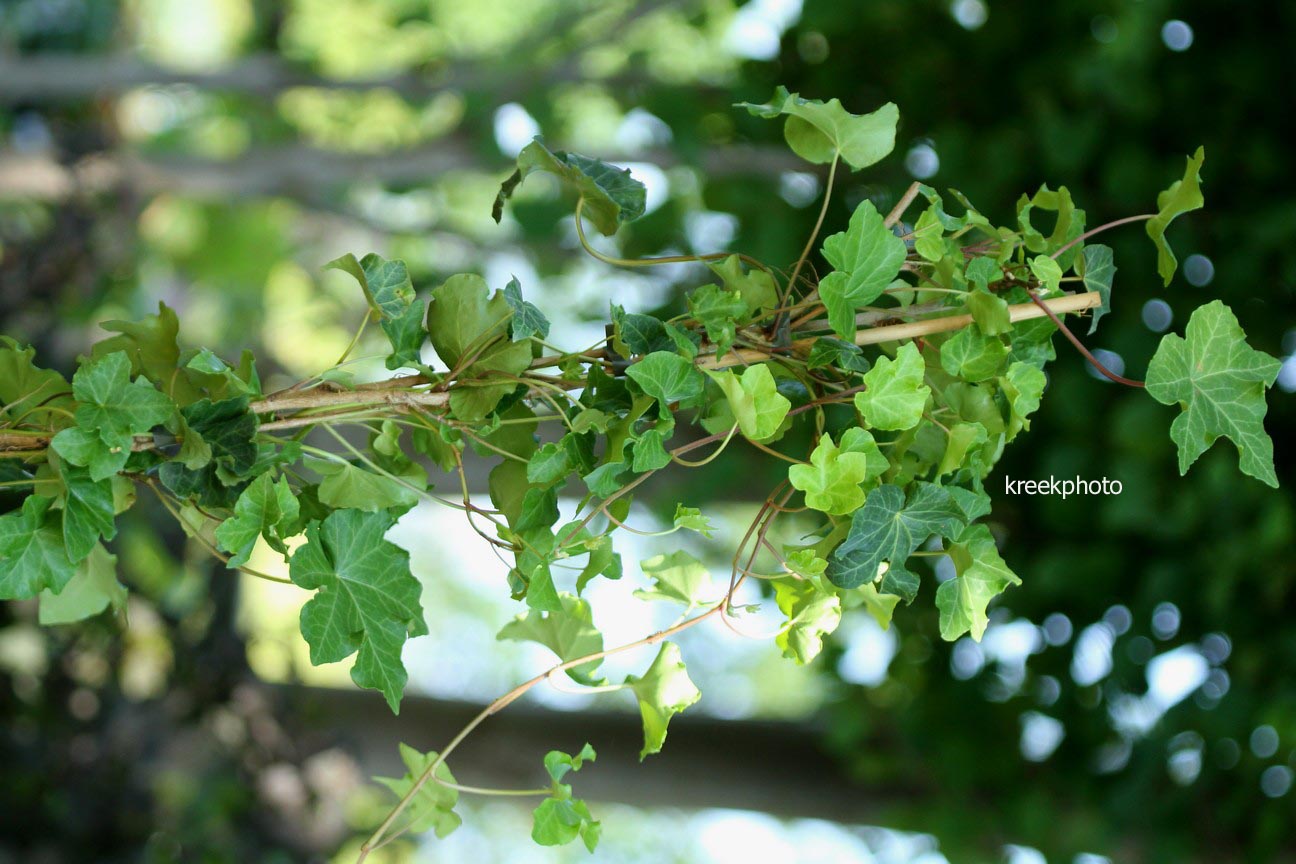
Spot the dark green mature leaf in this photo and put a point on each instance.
(827, 352)
(469, 329)
(229, 429)
(982, 576)
(32, 555)
(111, 410)
(1218, 381)
(868, 255)
(1182, 196)
(386, 284)
(1098, 268)
(887, 530)
(432, 807)
(664, 691)
(569, 634)
(87, 511)
(367, 600)
(638, 334)
(265, 509)
(611, 196)
(527, 320)
(92, 589)
(818, 131)
(668, 378)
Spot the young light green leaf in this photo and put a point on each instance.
(527, 320)
(895, 394)
(692, 519)
(1023, 384)
(678, 577)
(668, 378)
(754, 399)
(663, 691)
(1097, 266)
(611, 196)
(366, 600)
(649, 450)
(432, 807)
(887, 530)
(32, 555)
(818, 131)
(1047, 271)
(831, 482)
(880, 606)
(812, 614)
(469, 330)
(1067, 226)
(111, 410)
(962, 439)
(264, 509)
(972, 355)
(346, 485)
(92, 589)
(1182, 196)
(756, 287)
(548, 465)
(928, 236)
(989, 311)
(718, 309)
(569, 634)
(869, 255)
(558, 763)
(24, 385)
(982, 576)
(1218, 380)
(805, 563)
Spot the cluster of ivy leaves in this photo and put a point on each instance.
(904, 434)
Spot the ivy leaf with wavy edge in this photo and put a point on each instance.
(757, 405)
(887, 529)
(831, 482)
(812, 614)
(611, 195)
(895, 395)
(91, 590)
(366, 601)
(527, 319)
(677, 577)
(868, 256)
(111, 410)
(756, 287)
(664, 691)
(1183, 196)
(33, 556)
(1097, 267)
(432, 808)
(1218, 381)
(390, 295)
(265, 509)
(817, 131)
(718, 309)
(560, 818)
(568, 634)
(973, 356)
(668, 378)
(982, 576)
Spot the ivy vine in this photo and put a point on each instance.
(912, 363)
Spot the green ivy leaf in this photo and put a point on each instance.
(1047, 271)
(718, 309)
(972, 503)
(963, 438)
(560, 818)
(692, 519)
(432, 807)
(91, 590)
(677, 577)
(1023, 385)
(928, 236)
(895, 395)
(1067, 226)
(869, 255)
(887, 530)
(88, 512)
(390, 295)
(610, 194)
(638, 334)
(527, 320)
(568, 634)
(880, 606)
(33, 557)
(668, 378)
(558, 763)
(467, 323)
(24, 385)
(265, 509)
(351, 486)
(756, 287)
(548, 465)
(757, 406)
(1218, 380)
(367, 600)
(649, 450)
(982, 576)
(1097, 267)
(149, 343)
(664, 691)
(817, 131)
(827, 352)
(989, 311)
(805, 563)
(111, 410)
(812, 614)
(973, 356)
(831, 482)
(1183, 196)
